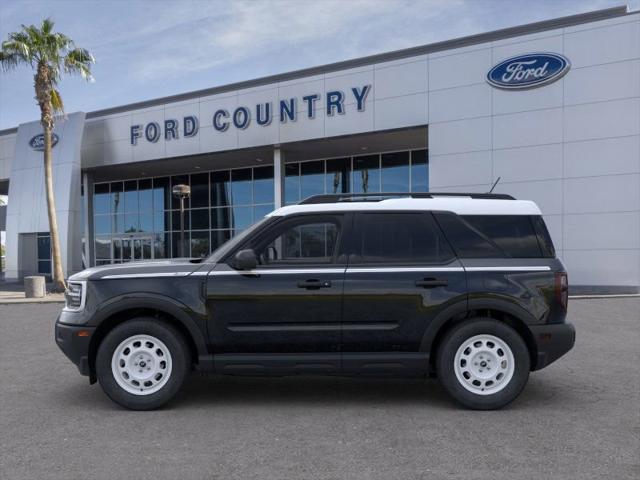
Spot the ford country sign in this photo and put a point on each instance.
(37, 142)
(528, 71)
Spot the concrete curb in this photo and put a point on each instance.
(14, 301)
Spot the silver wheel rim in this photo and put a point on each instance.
(141, 365)
(484, 364)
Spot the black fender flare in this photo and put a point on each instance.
(461, 307)
(161, 303)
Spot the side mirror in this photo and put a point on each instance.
(245, 260)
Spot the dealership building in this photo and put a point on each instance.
(551, 109)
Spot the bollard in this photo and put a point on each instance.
(34, 287)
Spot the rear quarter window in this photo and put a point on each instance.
(490, 236)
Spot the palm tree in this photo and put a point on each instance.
(50, 55)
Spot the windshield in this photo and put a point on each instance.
(230, 244)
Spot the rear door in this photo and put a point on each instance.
(401, 274)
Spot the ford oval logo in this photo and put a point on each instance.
(528, 71)
(37, 142)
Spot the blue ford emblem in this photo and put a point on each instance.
(37, 142)
(528, 71)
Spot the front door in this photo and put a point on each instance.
(401, 274)
(132, 248)
(290, 304)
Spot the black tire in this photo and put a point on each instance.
(446, 357)
(180, 362)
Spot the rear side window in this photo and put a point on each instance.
(486, 236)
(513, 234)
(544, 239)
(399, 238)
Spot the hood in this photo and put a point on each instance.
(149, 268)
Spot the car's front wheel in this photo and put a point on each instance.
(483, 363)
(142, 363)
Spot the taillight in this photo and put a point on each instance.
(562, 289)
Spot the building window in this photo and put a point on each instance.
(140, 219)
(405, 171)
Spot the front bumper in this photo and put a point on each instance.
(74, 342)
(552, 342)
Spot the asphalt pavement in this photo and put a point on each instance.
(577, 419)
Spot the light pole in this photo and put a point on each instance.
(182, 192)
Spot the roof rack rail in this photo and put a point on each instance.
(377, 197)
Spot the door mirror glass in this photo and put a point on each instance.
(245, 260)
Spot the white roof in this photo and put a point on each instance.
(461, 205)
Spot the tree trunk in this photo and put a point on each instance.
(43, 86)
(58, 275)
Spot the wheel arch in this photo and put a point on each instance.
(497, 308)
(120, 310)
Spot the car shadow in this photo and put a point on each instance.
(215, 391)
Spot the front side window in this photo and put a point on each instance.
(404, 238)
(308, 240)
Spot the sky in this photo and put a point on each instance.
(150, 49)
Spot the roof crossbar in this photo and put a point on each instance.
(377, 197)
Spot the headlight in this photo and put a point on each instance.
(75, 295)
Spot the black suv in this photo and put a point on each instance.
(463, 286)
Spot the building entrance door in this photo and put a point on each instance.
(132, 248)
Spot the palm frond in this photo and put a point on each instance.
(56, 101)
(79, 61)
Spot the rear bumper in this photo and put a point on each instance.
(552, 342)
(74, 342)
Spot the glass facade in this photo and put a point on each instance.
(406, 171)
(140, 219)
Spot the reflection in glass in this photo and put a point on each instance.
(200, 219)
(175, 220)
(263, 187)
(366, 174)
(146, 222)
(242, 217)
(199, 244)
(103, 247)
(160, 245)
(200, 190)
(117, 198)
(260, 211)
(241, 187)
(131, 222)
(420, 171)
(221, 218)
(101, 198)
(292, 183)
(117, 249)
(102, 224)
(161, 194)
(131, 203)
(220, 189)
(218, 237)
(395, 172)
(337, 177)
(311, 179)
(160, 222)
(145, 195)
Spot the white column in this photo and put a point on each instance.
(278, 177)
(87, 182)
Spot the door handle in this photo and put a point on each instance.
(314, 284)
(431, 283)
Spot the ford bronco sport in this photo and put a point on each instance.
(466, 287)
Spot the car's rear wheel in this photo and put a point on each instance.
(483, 363)
(142, 363)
